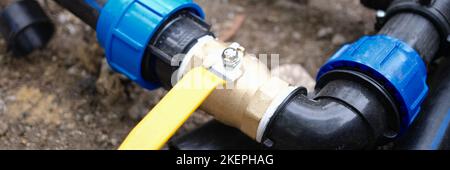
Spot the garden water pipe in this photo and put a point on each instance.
(368, 93)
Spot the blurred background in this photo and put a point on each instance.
(66, 97)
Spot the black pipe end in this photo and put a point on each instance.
(377, 4)
(169, 45)
(214, 135)
(25, 27)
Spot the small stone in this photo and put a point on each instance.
(72, 29)
(102, 138)
(114, 141)
(2, 106)
(296, 35)
(338, 39)
(88, 118)
(3, 128)
(325, 32)
(73, 70)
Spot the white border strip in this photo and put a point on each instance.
(271, 111)
(188, 57)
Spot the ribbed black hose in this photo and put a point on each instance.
(416, 31)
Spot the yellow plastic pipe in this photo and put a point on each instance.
(172, 111)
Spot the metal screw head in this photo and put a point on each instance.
(268, 143)
(380, 18)
(230, 53)
(381, 14)
(231, 56)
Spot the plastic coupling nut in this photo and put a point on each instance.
(393, 64)
(125, 28)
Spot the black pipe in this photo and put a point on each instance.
(431, 131)
(25, 26)
(86, 10)
(214, 136)
(376, 4)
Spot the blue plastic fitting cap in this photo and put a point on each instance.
(391, 62)
(125, 28)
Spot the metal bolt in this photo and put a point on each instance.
(231, 56)
(268, 143)
(380, 18)
(381, 14)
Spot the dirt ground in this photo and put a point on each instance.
(65, 96)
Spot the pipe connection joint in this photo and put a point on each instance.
(393, 64)
(251, 94)
(125, 28)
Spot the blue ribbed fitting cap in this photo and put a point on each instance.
(125, 28)
(392, 63)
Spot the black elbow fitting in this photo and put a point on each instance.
(25, 27)
(348, 111)
(324, 123)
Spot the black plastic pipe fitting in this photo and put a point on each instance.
(348, 111)
(25, 27)
(168, 47)
(213, 135)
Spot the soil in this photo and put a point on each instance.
(66, 97)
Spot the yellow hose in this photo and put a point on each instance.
(172, 111)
